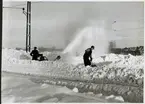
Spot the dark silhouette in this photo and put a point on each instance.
(42, 58)
(88, 56)
(34, 54)
(57, 58)
(137, 51)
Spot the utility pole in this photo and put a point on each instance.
(28, 24)
(28, 27)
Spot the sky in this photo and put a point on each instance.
(57, 23)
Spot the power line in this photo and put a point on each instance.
(129, 29)
(128, 20)
(16, 6)
(116, 20)
(38, 2)
(26, 4)
(125, 29)
(19, 5)
(13, 7)
(132, 37)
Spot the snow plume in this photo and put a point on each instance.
(91, 35)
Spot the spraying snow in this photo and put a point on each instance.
(86, 38)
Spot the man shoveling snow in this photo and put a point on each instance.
(88, 56)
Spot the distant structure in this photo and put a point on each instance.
(139, 50)
(112, 45)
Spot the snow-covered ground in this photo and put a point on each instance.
(24, 90)
(108, 66)
(116, 68)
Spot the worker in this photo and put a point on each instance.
(34, 54)
(88, 56)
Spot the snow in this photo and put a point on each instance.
(15, 54)
(81, 41)
(75, 89)
(114, 65)
(99, 95)
(109, 97)
(110, 66)
(24, 90)
(119, 98)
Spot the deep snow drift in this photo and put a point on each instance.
(110, 65)
(116, 68)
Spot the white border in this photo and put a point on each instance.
(81, 1)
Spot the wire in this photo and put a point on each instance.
(128, 20)
(113, 21)
(138, 38)
(129, 29)
(26, 3)
(19, 5)
(13, 7)
(38, 2)
(125, 34)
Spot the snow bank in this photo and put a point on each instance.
(51, 55)
(15, 54)
(110, 66)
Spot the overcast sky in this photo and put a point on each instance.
(56, 24)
